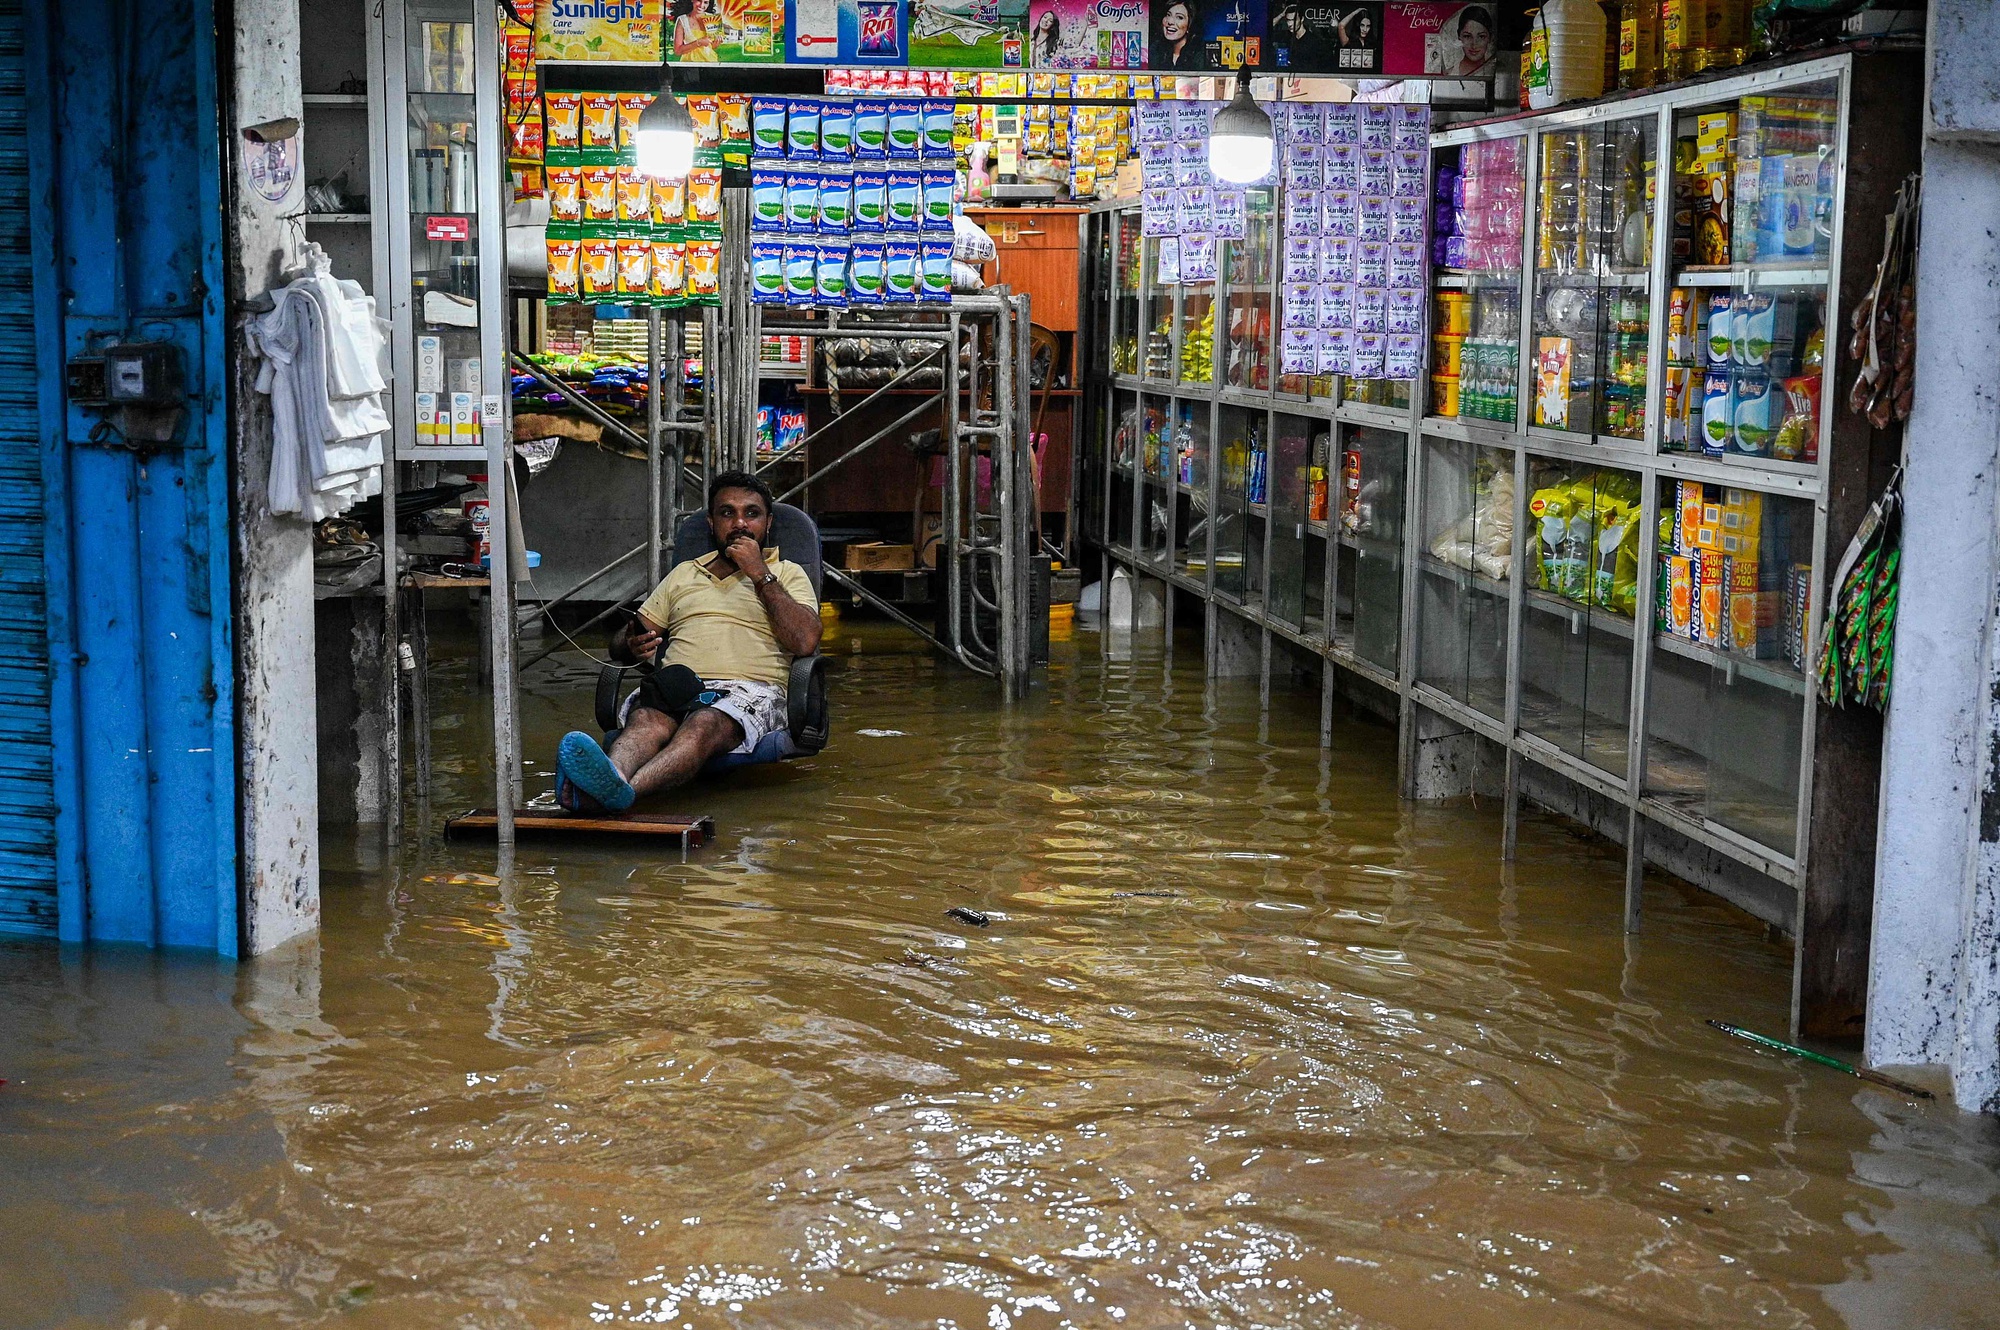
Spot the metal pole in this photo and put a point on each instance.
(671, 518)
(494, 423)
(652, 447)
(1008, 628)
(948, 533)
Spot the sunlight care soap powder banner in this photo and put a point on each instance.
(610, 30)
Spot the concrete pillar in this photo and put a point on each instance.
(1449, 761)
(1236, 649)
(352, 732)
(277, 757)
(1934, 973)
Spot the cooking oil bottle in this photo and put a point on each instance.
(1638, 43)
(1683, 28)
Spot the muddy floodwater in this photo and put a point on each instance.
(1245, 1042)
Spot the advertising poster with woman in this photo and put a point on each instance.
(1456, 41)
(1310, 37)
(1089, 34)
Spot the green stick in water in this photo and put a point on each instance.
(1779, 1045)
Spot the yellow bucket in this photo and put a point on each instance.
(1444, 394)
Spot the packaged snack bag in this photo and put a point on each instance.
(635, 196)
(866, 271)
(767, 127)
(767, 272)
(599, 186)
(630, 106)
(562, 119)
(600, 120)
(704, 194)
(704, 270)
(767, 198)
(565, 190)
(598, 262)
(565, 250)
(635, 266)
(669, 271)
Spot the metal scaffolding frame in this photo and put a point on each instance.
(987, 538)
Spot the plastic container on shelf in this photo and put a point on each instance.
(1444, 394)
(1454, 314)
(1446, 353)
(1566, 61)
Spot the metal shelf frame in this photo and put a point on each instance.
(1521, 445)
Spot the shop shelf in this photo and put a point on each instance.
(1579, 614)
(1775, 673)
(1754, 277)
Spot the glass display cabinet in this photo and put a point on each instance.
(1596, 532)
(1754, 185)
(1480, 216)
(1249, 324)
(446, 256)
(1729, 649)
(1189, 448)
(1160, 297)
(1125, 268)
(1156, 493)
(1368, 521)
(1465, 558)
(1581, 586)
(1593, 266)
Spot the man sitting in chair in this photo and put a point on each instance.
(732, 622)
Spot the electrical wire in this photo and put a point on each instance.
(550, 619)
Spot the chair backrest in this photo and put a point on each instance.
(794, 533)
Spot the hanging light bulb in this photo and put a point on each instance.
(665, 135)
(1240, 145)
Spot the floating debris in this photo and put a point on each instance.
(1779, 1045)
(968, 916)
(460, 879)
(881, 734)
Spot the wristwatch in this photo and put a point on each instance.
(768, 578)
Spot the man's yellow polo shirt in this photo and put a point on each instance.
(716, 625)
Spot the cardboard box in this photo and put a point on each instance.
(876, 557)
(930, 536)
(1714, 132)
(1742, 528)
(1708, 615)
(1680, 596)
(1753, 614)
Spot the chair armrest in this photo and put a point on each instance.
(807, 716)
(610, 692)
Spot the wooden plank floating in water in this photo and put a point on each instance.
(692, 831)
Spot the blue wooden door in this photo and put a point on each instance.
(127, 158)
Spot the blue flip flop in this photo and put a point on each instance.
(587, 767)
(570, 799)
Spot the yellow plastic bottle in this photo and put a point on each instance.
(1638, 43)
(1683, 29)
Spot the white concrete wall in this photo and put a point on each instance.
(1933, 993)
(277, 745)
